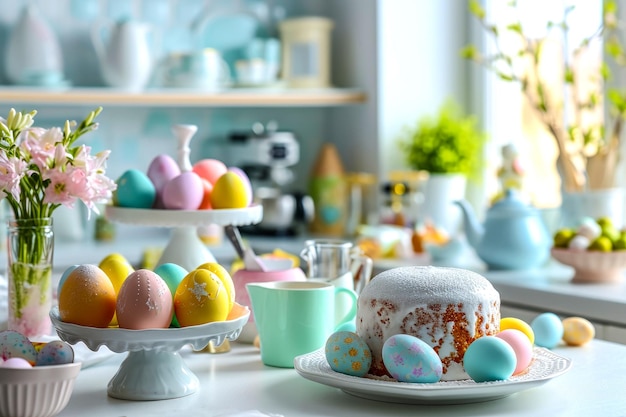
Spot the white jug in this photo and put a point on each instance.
(33, 55)
(125, 59)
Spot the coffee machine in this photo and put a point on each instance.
(266, 155)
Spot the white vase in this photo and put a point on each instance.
(595, 203)
(440, 193)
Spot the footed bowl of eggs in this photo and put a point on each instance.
(596, 250)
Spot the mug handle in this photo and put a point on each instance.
(351, 315)
(362, 277)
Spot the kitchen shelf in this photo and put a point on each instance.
(233, 97)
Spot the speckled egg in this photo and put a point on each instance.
(55, 352)
(489, 358)
(548, 329)
(522, 347)
(409, 359)
(577, 331)
(144, 302)
(15, 345)
(348, 354)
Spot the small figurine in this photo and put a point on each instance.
(511, 173)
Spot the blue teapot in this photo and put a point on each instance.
(513, 236)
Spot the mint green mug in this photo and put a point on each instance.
(295, 317)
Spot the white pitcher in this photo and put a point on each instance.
(125, 58)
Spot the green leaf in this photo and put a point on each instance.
(476, 9)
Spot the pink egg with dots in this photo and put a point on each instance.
(521, 346)
(210, 169)
(246, 181)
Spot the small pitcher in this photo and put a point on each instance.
(332, 259)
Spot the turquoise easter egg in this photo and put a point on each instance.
(489, 358)
(548, 329)
(172, 274)
(134, 190)
(409, 359)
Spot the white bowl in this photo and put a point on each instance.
(41, 391)
(593, 266)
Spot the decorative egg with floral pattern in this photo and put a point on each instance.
(348, 354)
(409, 359)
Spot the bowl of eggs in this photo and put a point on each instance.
(36, 380)
(596, 250)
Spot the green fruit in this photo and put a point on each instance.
(610, 232)
(602, 244)
(620, 244)
(604, 222)
(562, 238)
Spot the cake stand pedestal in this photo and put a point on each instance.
(153, 369)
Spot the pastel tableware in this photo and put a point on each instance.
(294, 318)
(124, 56)
(513, 237)
(343, 302)
(204, 69)
(242, 277)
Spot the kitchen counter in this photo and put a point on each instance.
(237, 381)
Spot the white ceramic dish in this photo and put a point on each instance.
(41, 391)
(593, 266)
(545, 366)
(178, 218)
(153, 369)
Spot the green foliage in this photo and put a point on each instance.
(446, 143)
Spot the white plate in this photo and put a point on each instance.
(545, 366)
(177, 218)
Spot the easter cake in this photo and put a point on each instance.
(448, 308)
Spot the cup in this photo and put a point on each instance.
(330, 259)
(203, 69)
(343, 302)
(295, 317)
(242, 277)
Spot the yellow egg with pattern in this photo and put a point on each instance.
(229, 192)
(201, 298)
(224, 276)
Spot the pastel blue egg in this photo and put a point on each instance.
(172, 274)
(409, 359)
(135, 190)
(64, 277)
(489, 358)
(347, 353)
(55, 352)
(548, 329)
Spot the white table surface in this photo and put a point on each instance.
(237, 381)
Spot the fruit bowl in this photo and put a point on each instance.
(593, 266)
(40, 391)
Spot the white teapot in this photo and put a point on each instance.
(125, 59)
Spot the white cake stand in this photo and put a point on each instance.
(185, 247)
(153, 369)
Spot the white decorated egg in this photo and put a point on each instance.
(347, 353)
(409, 359)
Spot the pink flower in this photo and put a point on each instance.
(11, 172)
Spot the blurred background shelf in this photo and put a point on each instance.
(234, 97)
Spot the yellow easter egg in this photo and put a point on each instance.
(201, 298)
(117, 268)
(229, 192)
(577, 331)
(517, 324)
(225, 277)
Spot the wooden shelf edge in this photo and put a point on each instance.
(175, 97)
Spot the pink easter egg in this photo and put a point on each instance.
(210, 169)
(184, 192)
(521, 346)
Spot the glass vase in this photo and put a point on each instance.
(30, 246)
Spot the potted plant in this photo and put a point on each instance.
(449, 146)
(572, 110)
